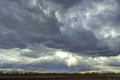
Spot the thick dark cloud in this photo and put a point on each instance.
(10, 39)
(67, 3)
(89, 29)
(29, 21)
(92, 27)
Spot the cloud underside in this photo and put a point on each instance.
(42, 59)
(56, 35)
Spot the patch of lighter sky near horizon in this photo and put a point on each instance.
(13, 55)
(6, 55)
(99, 62)
(68, 57)
(104, 68)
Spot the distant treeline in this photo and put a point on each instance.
(16, 73)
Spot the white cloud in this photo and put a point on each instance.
(53, 57)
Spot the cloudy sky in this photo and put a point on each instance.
(60, 35)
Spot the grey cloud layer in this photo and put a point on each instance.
(51, 60)
(81, 26)
(10, 39)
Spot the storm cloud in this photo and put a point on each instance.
(35, 30)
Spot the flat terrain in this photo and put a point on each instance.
(60, 77)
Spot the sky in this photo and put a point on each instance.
(60, 35)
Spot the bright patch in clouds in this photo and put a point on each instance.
(72, 60)
(110, 33)
(62, 54)
(69, 58)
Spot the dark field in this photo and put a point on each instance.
(59, 76)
